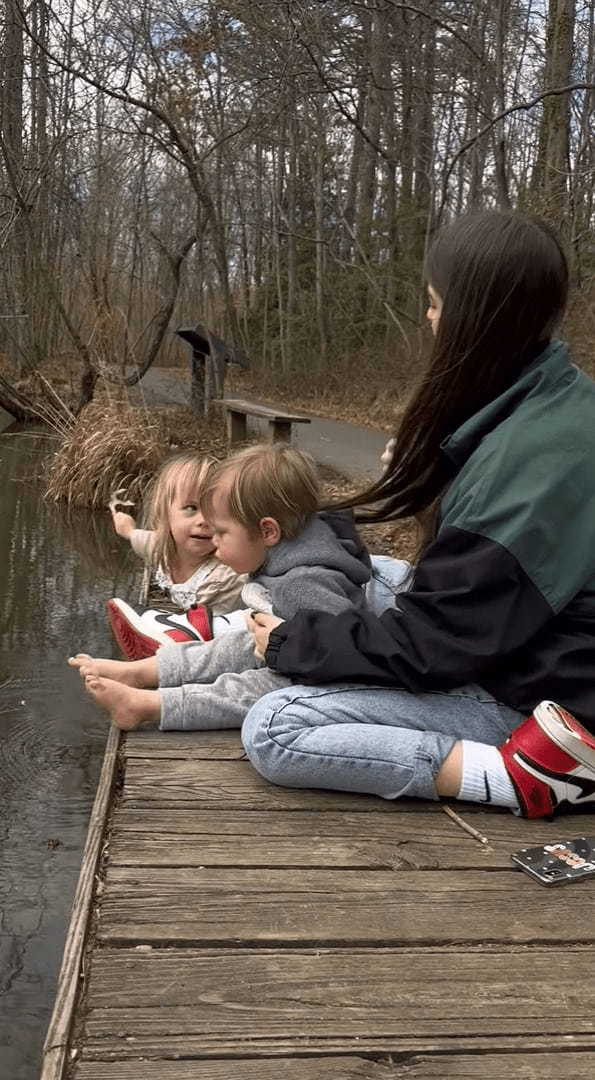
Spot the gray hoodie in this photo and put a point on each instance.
(318, 570)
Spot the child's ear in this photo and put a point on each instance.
(269, 531)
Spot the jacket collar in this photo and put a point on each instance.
(542, 373)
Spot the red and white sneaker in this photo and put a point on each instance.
(139, 636)
(550, 759)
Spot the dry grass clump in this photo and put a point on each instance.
(116, 445)
(108, 446)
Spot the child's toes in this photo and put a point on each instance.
(94, 684)
(80, 659)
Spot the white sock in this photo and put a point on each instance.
(484, 777)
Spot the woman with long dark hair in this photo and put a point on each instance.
(449, 691)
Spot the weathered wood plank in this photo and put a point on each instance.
(224, 905)
(187, 1046)
(218, 1003)
(426, 840)
(323, 987)
(320, 1068)
(173, 850)
(186, 745)
(235, 785)
(523, 1066)
(229, 785)
(251, 409)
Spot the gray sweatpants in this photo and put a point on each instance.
(212, 685)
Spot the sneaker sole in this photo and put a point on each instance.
(553, 726)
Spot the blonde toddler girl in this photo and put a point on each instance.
(178, 546)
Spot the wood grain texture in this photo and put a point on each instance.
(320, 1068)
(185, 745)
(345, 991)
(229, 785)
(472, 1066)
(201, 905)
(426, 840)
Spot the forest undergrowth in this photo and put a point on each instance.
(372, 388)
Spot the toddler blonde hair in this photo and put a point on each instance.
(183, 475)
(268, 480)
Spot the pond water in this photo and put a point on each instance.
(56, 571)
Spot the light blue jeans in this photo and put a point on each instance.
(369, 739)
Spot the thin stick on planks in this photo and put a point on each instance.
(56, 1043)
(465, 825)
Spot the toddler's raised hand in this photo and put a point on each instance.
(124, 523)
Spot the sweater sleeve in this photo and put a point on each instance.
(221, 590)
(471, 605)
(319, 588)
(141, 541)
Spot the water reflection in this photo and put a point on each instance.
(55, 574)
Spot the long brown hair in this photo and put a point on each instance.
(503, 281)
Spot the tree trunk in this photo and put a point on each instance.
(550, 182)
(368, 185)
(498, 137)
(12, 73)
(319, 163)
(424, 143)
(291, 247)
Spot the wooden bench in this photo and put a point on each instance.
(279, 422)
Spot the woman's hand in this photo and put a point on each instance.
(387, 454)
(260, 626)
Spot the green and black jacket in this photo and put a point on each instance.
(505, 595)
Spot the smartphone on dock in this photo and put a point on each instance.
(559, 863)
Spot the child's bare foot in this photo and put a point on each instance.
(141, 674)
(128, 707)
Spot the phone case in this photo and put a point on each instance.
(559, 863)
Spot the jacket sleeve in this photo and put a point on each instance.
(471, 606)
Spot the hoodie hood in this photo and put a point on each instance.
(317, 545)
(320, 570)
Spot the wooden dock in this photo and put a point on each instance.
(241, 931)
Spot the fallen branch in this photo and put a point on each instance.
(16, 403)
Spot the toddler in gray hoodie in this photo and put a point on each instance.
(261, 504)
